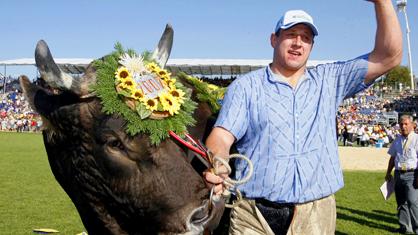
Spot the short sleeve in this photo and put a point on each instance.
(348, 77)
(233, 115)
(392, 150)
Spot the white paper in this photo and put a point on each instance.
(387, 188)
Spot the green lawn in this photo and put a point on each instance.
(31, 198)
(29, 195)
(361, 208)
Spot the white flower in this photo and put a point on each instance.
(134, 64)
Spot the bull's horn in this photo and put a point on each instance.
(162, 52)
(49, 70)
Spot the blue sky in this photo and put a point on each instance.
(233, 29)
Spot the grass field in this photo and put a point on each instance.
(361, 208)
(29, 195)
(31, 198)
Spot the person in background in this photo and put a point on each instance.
(403, 157)
(283, 118)
(345, 135)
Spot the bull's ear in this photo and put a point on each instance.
(43, 101)
(29, 90)
(163, 50)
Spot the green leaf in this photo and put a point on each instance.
(160, 107)
(124, 93)
(142, 111)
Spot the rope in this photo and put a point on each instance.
(217, 162)
(229, 183)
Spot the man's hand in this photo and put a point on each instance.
(388, 177)
(215, 181)
(219, 143)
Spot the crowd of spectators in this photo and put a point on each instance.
(362, 119)
(404, 103)
(16, 115)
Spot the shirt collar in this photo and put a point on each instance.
(273, 77)
(410, 135)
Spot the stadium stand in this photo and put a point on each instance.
(367, 119)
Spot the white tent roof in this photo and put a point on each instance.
(31, 61)
(69, 65)
(204, 67)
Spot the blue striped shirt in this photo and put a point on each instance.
(289, 134)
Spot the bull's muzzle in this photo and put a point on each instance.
(207, 216)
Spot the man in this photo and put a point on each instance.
(403, 157)
(283, 118)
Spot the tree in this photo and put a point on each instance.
(399, 74)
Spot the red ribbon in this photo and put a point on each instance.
(192, 145)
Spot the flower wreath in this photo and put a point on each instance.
(206, 92)
(145, 95)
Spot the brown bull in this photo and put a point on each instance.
(120, 184)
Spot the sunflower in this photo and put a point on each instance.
(127, 83)
(134, 64)
(170, 83)
(122, 73)
(169, 103)
(178, 94)
(162, 73)
(137, 94)
(150, 104)
(119, 87)
(153, 67)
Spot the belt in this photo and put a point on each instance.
(271, 204)
(405, 171)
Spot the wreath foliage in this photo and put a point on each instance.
(114, 102)
(206, 92)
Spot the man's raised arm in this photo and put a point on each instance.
(387, 52)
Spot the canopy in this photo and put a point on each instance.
(196, 67)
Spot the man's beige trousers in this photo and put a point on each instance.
(316, 218)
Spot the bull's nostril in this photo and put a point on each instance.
(199, 215)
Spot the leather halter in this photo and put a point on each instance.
(195, 146)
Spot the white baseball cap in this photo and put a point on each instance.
(294, 17)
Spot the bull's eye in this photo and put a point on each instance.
(116, 144)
